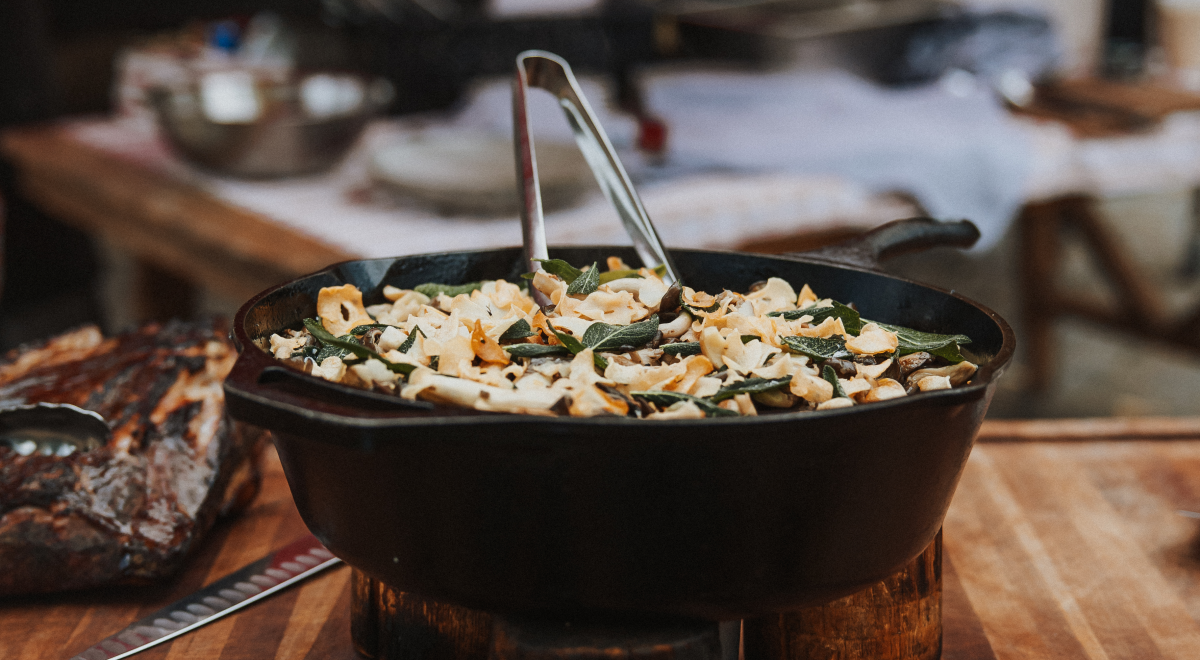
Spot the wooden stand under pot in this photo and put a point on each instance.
(899, 618)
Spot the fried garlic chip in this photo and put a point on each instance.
(341, 309)
(487, 348)
(777, 295)
(872, 341)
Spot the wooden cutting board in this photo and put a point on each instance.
(1063, 550)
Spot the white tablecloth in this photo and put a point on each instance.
(698, 210)
(752, 155)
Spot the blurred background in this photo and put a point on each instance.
(172, 159)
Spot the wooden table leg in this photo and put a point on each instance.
(899, 618)
(1191, 263)
(1038, 228)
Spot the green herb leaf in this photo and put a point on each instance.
(566, 271)
(792, 314)
(682, 348)
(585, 283)
(611, 275)
(850, 318)
(518, 330)
(831, 376)
(362, 352)
(535, 350)
(434, 290)
(914, 341)
(433, 362)
(746, 339)
(604, 337)
(665, 399)
(412, 339)
(818, 348)
(707, 310)
(576, 347)
(329, 350)
(571, 343)
(750, 386)
(950, 352)
(360, 330)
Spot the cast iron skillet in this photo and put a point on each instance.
(719, 518)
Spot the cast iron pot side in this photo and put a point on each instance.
(718, 518)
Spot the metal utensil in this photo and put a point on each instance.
(52, 429)
(537, 68)
(251, 583)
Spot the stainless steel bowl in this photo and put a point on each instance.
(240, 124)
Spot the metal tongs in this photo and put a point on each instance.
(538, 68)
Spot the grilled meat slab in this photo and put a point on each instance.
(130, 511)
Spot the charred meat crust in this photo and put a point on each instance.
(131, 511)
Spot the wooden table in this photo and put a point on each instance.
(1054, 549)
(180, 236)
(1100, 110)
(188, 230)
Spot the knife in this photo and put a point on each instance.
(253, 582)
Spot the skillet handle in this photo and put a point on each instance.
(894, 239)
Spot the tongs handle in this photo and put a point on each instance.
(537, 68)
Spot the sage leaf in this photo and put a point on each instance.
(746, 339)
(585, 283)
(915, 341)
(360, 330)
(518, 330)
(611, 275)
(850, 318)
(327, 351)
(792, 314)
(433, 290)
(950, 352)
(818, 348)
(750, 386)
(682, 348)
(831, 376)
(571, 343)
(362, 352)
(412, 339)
(604, 337)
(707, 310)
(576, 347)
(535, 350)
(665, 399)
(566, 271)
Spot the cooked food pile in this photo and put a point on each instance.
(619, 342)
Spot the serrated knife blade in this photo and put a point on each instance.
(253, 582)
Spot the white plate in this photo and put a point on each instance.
(475, 173)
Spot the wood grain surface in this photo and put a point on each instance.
(170, 223)
(1076, 550)
(1052, 550)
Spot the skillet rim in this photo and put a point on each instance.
(379, 420)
